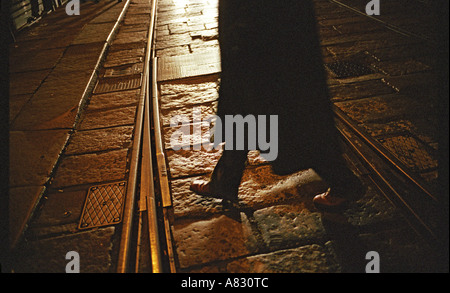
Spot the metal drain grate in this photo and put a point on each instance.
(118, 84)
(343, 69)
(411, 152)
(129, 69)
(103, 206)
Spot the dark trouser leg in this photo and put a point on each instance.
(227, 174)
(48, 5)
(342, 181)
(35, 8)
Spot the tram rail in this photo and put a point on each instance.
(149, 199)
(399, 185)
(396, 181)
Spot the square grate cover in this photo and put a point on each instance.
(344, 69)
(411, 152)
(113, 84)
(103, 205)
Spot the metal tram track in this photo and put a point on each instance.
(146, 227)
(151, 201)
(397, 182)
(388, 25)
(404, 189)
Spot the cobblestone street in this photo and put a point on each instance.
(76, 91)
(277, 229)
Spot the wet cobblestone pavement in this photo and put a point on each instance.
(90, 137)
(276, 228)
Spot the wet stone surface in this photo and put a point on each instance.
(190, 162)
(261, 187)
(49, 255)
(95, 141)
(26, 82)
(371, 210)
(91, 168)
(206, 111)
(32, 162)
(284, 226)
(109, 118)
(401, 251)
(113, 100)
(280, 229)
(306, 259)
(175, 95)
(218, 238)
(21, 205)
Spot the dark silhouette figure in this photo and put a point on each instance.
(34, 8)
(272, 65)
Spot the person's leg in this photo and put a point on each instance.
(226, 177)
(48, 5)
(34, 8)
(344, 185)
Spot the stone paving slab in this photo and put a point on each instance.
(91, 141)
(16, 102)
(43, 59)
(49, 255)
(27, 82)
(91, 168)
(22, 203)
(113, 100)
(124, 56)
(60, 207)
(173, 95)
(58, 98)
(218, 238)
(206, 110)
(34, 160)
(109, 118)
(289, 226)
(80, 55)
(305, 259)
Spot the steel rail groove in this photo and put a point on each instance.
(402, 188)
(129, 208)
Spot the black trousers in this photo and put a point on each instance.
(227, 174)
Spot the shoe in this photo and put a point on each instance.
(31, 19)
(329, 202)
(204, 188)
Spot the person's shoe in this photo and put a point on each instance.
(204, 188)
(31, 19)
(329, 202)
